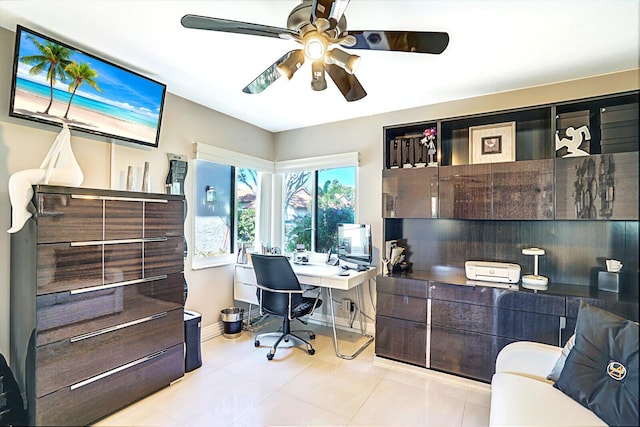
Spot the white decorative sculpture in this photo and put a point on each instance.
(59, 167)
(575, 138)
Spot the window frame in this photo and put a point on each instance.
(235, 160)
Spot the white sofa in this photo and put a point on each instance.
(522, 396)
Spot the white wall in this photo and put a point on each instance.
(24, 144)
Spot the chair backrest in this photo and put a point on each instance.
(275, 272)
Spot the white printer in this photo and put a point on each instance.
(501, 272)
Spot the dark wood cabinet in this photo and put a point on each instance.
(401, 320)
(514, 190)
(522, 190)
(97, 301)
(465, 192)
(597, 187)
(410, 193)
(481, 320)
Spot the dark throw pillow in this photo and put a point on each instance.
(601, 371)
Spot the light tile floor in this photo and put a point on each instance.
(238, 386)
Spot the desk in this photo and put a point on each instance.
(321, 275)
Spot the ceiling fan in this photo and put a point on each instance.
(320, 26)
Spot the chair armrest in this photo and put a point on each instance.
(528, 358)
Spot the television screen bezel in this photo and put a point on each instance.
(58, 121)
(355, 259)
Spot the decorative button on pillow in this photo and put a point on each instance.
(601, 371)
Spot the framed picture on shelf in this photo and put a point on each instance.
(492, 143)
(394, 153)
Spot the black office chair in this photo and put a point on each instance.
(279, 293)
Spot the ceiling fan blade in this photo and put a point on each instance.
(403, 41)
(226, 25)
(321, 9)
(348, 84)
(268, 76)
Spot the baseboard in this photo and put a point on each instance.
(217, 329)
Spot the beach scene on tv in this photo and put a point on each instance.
(57, 83)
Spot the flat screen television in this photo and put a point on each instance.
(55, 82)
(354, 244)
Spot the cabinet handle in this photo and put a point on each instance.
(117, 327)
(117, 285)
(121, 199)
(116, 370)
(116, 242)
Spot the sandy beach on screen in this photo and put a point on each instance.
(27, 103)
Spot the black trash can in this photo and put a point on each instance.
(192, 326)
(232, 321)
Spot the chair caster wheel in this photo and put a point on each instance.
(270, 356)
(312, 336)
(312, 351)
(256, 343)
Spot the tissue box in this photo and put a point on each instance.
(608, 281)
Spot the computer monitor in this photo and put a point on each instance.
(354, 244)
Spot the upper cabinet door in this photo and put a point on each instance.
(410, 193)
(597, 187)
(465, 191)
(523, 190)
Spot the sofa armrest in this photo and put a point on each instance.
(528, 358)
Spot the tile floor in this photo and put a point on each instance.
(238, 386)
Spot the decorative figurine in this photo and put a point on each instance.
(59, 167)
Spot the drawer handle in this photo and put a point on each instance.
(113, 198)
(117, 242)
(117, 327)
(116, 370)
(117, 285)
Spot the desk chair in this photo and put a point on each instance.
(279, 293)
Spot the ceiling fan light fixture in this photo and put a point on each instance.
(315, 48)
(344, 60)
(289, 66)
(318, 81)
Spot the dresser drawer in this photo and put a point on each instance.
(123, 219)
(70, 361)
(164, 257)
(62, 267)
(519, 325)
(63, 218)
(64, 315)
(465, 353)
(401, 340)
(82, 404)
(164, 219)
(402, 286)
(479, 295)
(402, 307)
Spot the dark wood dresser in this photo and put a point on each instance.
(96, 301)
(442, 321)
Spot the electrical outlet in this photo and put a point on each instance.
(346, 305)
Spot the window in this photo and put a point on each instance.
(247, 182)
(213, 213)
(314, 203)
(229, 189)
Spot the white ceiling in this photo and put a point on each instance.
(495, 45)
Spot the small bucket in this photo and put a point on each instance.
(232, 321)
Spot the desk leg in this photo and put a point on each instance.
(335, 335)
